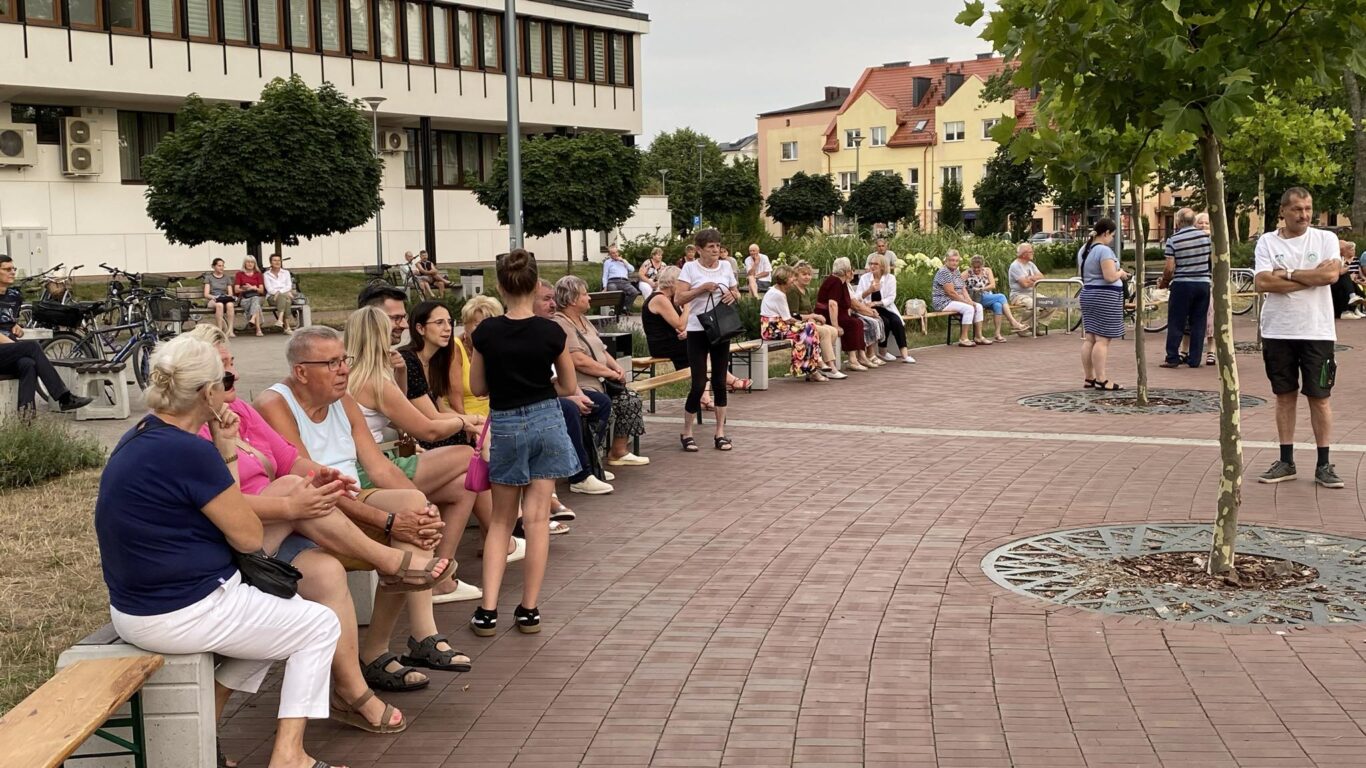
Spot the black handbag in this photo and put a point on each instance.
(610, 387)
(720, 321)
(272, 576)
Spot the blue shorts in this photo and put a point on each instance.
(293, 546)
(530, 443)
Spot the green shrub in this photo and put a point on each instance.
(35, 450)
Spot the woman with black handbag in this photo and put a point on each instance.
(167, 544)
(709, 288)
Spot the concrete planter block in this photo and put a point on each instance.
(9, 398)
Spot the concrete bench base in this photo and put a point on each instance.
(9, 398)
(177, 701)
(103, 387)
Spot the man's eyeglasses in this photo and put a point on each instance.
(9, 269)
(399, 318)
(333, 365)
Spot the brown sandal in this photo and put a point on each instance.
(348, 712)
(407, 579)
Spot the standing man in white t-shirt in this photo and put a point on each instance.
(1295, 265)
(880, 249)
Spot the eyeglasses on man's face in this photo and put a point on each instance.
(333, 365)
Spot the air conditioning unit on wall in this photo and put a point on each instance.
(82, 147)
(18, 144)
(394, 140)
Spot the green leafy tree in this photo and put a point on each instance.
(590, 181)
(230, 175)
(1011, 189)
(804, 202)
(732, 197)
(951, 204)
(1180, 66)
(882, 198)
(677, 152)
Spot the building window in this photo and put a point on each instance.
(557, 51)
(466, 37)
(268, 23)
(416, 27)
(7, 10)
(879, 137)
(460, 159)
(954, 131)
(47, 120)
(235, 22)
(84, 14)
(620, 76)
(787, 182)
(789, 150)
(849, 135)
(360, 27)
(848, 180)
(124, 15)
(301, 24)
(535, 48)
(490, 48)
(953, 173)
(139, 134)
(441, 36)
(41, 12)
(412, 166)
(199, 20)
(599, 56)
(989, 124)
(387, 29)
(580, 52)
(913, 180)
(165, 17)
(330, 14)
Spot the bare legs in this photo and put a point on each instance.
(534, 501)
(1095, 351)
(1320, 418)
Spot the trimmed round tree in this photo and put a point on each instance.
(882, 198)
(804, 202)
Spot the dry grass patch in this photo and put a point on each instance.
(51, 590)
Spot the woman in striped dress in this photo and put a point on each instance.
(1102, 303)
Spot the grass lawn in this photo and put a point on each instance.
(51, 588)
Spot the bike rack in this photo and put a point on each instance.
(1068, 299)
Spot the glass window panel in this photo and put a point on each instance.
(123, 14)
(331, 18)
(198, 18)
(139, 134)
(490, 145)
(619, 43)
(489, 46)
(40, 10)
(388, 29)
(163, 15)
(580, 64)
(417, 33)
(535, 48)
(84, 12)
(412, 175)
(301, 23)
(557, 57)
(360, 26)
(469, 158)
(235, 22)
(467, 39)
(441, 35)
(599, 57)
(450, 160)
(6, 9)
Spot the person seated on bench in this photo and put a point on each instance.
(296, 499)
(167, 539)
(833, 301)
(689, 254)
(799, 301)
(980, 279)
(649, 270)
(1023, 275)
(758, 272)
(25, 360)
(950, 294)
(218, 294)
(311, 410)
(426, 271)
(776, 322)
(616, 276)
(248, 284)
(877, 287)
(598, 371)
(280, 293)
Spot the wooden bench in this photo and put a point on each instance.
(613, 300)
(924, 319)
(77, 703)
(303, 313)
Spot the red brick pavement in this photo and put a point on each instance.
(815, 598)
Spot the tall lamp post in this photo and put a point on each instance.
(514, 127)
(663, 184)
(374, 102)
(858, 144)
(701, 145)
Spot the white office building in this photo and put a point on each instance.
(88, 87)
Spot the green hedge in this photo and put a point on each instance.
(35, 450)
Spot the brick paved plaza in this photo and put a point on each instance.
(815, 597)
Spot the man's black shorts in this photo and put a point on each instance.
(1289, 360)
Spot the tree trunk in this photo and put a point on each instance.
(1230, 434)
(1356, 106)
(1261, 202)
(568, 252)
(1140, 272)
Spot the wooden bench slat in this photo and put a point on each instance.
(655, 382)
(45, 728)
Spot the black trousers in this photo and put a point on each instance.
(896, 327)
(1342, 291)
(699, 351)
(25, 360)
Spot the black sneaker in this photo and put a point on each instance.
(484, 623)
(1280, 472)
(74, 402)
(528, 620)
(1326, 477)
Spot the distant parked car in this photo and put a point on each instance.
(1048, 238)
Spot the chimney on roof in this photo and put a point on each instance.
(985, 56)
(835, 92)
(896, 64)
(919, 87)
(940, 60)
(952, 82)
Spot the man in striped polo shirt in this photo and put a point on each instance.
(1187, 275)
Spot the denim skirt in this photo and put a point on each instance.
(530, 443)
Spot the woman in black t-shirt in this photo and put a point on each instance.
(528, 446)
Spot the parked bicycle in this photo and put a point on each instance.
(81, 337)
(25, 284)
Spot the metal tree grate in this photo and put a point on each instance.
(1160, 401)
(1059, 567)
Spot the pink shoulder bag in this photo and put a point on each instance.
(477, 476)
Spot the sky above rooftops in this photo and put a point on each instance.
(714, 65)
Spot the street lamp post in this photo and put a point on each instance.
(374, 102)
(663, 184)
(700, 146)
(514, 128)
(858, 144)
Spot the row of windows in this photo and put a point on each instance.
(392, 30)
(460, 159)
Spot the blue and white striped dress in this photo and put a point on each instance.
(1102, 301)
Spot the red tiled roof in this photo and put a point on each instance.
(893, 88)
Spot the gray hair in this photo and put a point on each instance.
(667, 277)
(950, 253)
(180, 368)
(841, 266)
(1022, 247)
(568, 289)
(877, 258)
(1184, 218)
(1201, 215)
(302, 342)
(544, 283)
(976, 259)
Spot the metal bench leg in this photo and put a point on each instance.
(652, 396)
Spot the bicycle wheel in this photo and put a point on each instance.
(1242, 293)
(141, 359)
(65, 345)
(1154, 308)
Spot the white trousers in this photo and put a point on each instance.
(971, 313)
(253, 630)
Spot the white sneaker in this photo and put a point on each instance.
(888, 356)
(592, 486)
(463, 591)
(835, 375)
(1350, 316)
(518, 550)
(908, 359)
(629, 460)
(608, 476)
